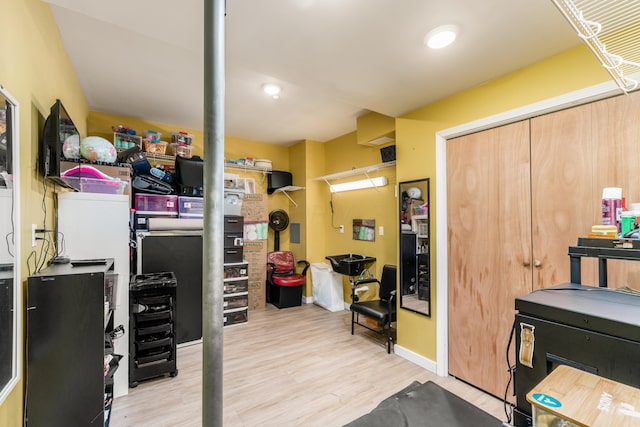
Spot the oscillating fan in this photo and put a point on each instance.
(278, 221)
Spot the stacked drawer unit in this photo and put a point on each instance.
(152, 313)
(236, 272)
(154, 206)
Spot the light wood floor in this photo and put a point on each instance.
(298, 366)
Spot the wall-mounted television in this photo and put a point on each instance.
(58, 128)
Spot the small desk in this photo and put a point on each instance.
(584, 399)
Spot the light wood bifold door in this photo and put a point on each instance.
(489, 230)
(517, 197)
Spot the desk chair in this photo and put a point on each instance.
(382, 310)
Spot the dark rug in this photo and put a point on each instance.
(425, 405)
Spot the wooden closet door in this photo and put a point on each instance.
(489, 234)
(616, 129)
(564, 206)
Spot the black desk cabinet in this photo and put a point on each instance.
(180, 253)
(66, 346)
(589, 328)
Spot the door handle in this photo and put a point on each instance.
(537, 263)
(526, 263)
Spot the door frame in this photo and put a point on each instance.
(571, 99)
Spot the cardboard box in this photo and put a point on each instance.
(255, 253)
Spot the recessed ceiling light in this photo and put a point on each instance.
(271, 89)
(441, 37)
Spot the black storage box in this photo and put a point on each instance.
(388, 153)
(233, 224)
(232, 240)
(233, 255)
(285, 296)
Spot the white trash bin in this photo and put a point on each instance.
(327, 287)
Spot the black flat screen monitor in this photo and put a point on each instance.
(278, 179)
(190, 176)
(57, 129)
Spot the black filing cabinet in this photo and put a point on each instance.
(152, 314)
(69, 365)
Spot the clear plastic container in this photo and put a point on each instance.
(159, 147)
(123, 141)
(181, 138)
(158, 204)
(181, 150)
(153, 135)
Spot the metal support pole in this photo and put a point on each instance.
(213, 254)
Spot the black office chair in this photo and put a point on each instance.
(382, 310)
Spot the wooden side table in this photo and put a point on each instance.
(570, 397)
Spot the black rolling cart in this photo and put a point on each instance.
(152, 314)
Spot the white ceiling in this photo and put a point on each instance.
(335, 59)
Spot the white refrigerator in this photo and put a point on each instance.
(95, 225)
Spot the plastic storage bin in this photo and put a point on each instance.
(153, 135)
(236, 270)
(181, 138)
(190, 207)
(93, 185)
(124, 141)
(233, 202)
(156, 204)
(181, 150)
(234, 286)
(234, 316)
(235, 301)
(159, 147)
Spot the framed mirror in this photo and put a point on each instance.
(10, 324)
(415, 248)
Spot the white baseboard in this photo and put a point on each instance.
(419, 360)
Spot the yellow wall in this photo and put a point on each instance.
(415, 145)
(35, 69)
(343, 154)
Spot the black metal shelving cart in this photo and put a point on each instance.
(152, 314)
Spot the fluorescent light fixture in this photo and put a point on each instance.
(380, 181)
(441, 37)
(273, 90)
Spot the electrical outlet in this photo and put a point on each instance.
(342, 228)
(33, 234)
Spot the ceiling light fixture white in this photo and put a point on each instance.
(441, 36)
(380, 181)
(271, 89)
